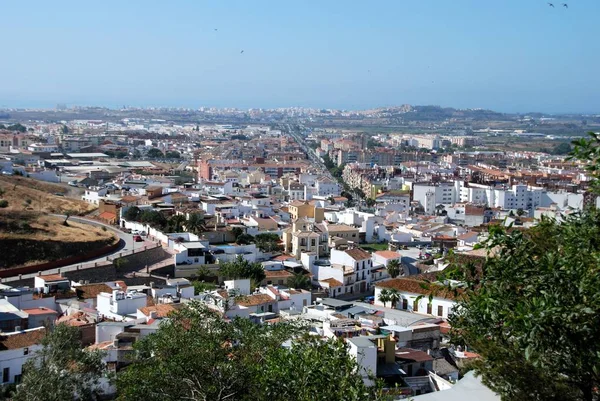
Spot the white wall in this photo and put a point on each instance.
(422, 306)
(14, 360)
(366, 358)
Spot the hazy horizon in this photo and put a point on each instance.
(510, 56)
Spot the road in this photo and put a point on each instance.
(312, 155)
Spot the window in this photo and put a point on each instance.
(440, 310)
(405, 304)
(312, 242)
(5, 375)
(25, 351)
(415, 306)
(17, 379)
(429, 308)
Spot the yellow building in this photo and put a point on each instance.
(305, 237)
(304, 209)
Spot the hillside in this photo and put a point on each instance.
(28, 238)
(28, 194)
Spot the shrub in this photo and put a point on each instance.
(3, 203)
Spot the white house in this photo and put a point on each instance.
(409, 290)
(16, 349)
(94, 194)
(119, 304)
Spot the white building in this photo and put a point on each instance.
(16, 349)
(120, 305)
(410, 290)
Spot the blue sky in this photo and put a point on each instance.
(506, 55)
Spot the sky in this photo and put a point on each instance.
(504, 55)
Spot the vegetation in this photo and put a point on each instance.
(300, 281)
(29, 238)
(61, 368)
(268, 242)
(173, 154)
(17, 127)
(211, 359)
(3, 203)
(201, 286)
(393, 267)
(533, 309)
(240, 268)
(17, 189)
(155, 153)
(385, 296)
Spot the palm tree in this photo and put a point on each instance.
(385, 296)
(394, 297)
(393, 268)
(194, 223)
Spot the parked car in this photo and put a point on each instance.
(137, 238)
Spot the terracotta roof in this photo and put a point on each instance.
(413, 355)
(278, 273)
(107, 216)
(415, 286)
(21, 340)
(340, 227)
(162, 310)
(88, 291)
(129, 199)
(40, 311)
(332, 282)
(254, 300)
(388, 254)
(52, 277)
(358, 254)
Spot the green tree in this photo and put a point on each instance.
(313, 369)
(136, 154)
(195, 223)
(241, 268)
(370, 202)
(562, 148)
(153, 218)
(207, 357)
(201, 286)
(155, 153)
(17, 127)
(132, 213)
(3, 203)
(244, 239)
(299, 281)
(520, 212)
(533, 310)
(61, 369)
(268, 242)
(175, 223)
(393, 267)
(173, 155)
(237, 231)
(394, 297)
(385, 296)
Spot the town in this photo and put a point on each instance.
(342, 230)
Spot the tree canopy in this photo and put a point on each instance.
(241, 268)
(61, 368)
(155, 153)
(533, 311)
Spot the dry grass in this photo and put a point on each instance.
(32, 195)
(28, 238)
(35, 226)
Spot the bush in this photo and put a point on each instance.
(3, 203)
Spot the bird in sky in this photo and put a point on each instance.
(565, 5)
(216, 29)
(241, 52)
(551, 5)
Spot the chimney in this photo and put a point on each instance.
(153, 315)
(116, 343)
(17, 328)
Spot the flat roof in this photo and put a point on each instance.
(76, 155)
(335, 303)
